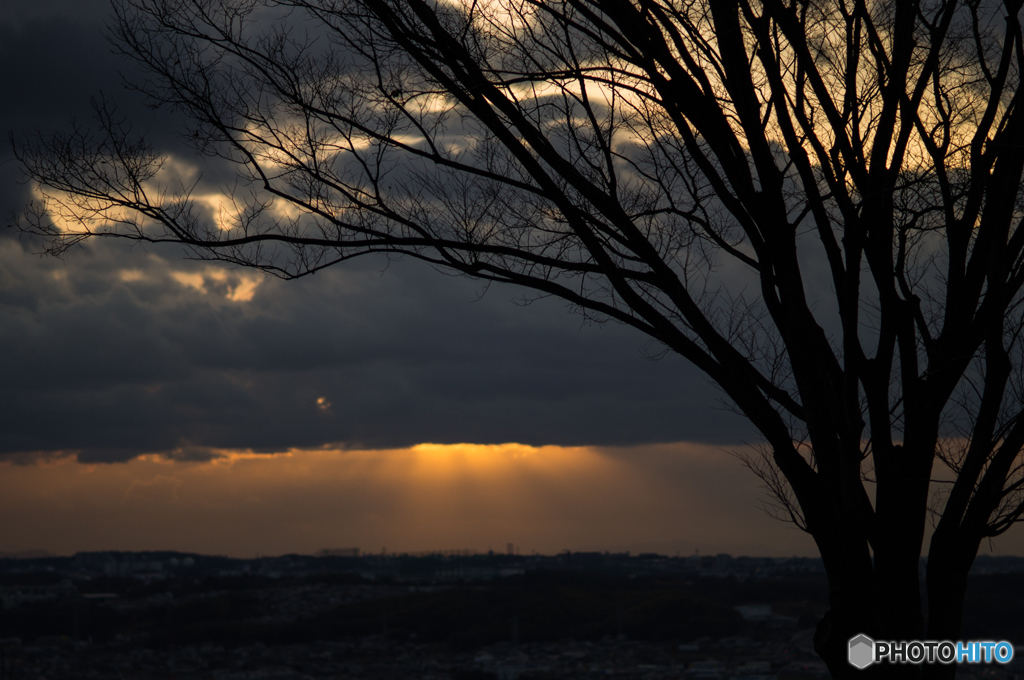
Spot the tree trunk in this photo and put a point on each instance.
(864, 599)
(949, 563)
(855, 611)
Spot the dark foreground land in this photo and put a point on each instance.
(441, 617)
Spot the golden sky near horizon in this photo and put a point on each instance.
(666, 498)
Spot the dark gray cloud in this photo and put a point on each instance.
(110, 353)
(115, 352)
(57, 61)
(89, 14)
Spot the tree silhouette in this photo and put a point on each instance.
(817, 202)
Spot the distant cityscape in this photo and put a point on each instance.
(449, 615)
(447, 565)
(441, 565)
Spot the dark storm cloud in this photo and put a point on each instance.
(87, 13)
(57, 60)
(109, 354)
(115, 352)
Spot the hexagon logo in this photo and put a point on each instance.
(862, 651)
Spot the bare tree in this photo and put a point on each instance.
(817, 202)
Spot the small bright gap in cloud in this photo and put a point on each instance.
(245, 289)
(191, 280)
(235, 286)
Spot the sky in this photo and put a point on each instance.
(152, 402)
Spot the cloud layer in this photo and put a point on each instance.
(171, 367)
(116, 352)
